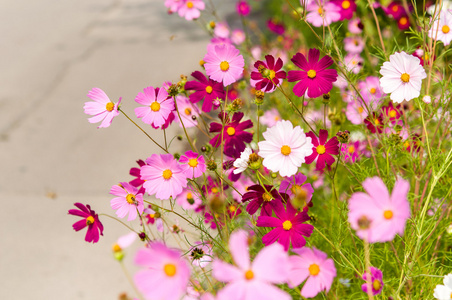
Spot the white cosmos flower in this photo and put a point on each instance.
(285, 148)
(241, 163)
(444, 292)
(442, 28)
(402, 77)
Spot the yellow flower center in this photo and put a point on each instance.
(377, 122)
(346, 4)
(187, 111)
(297, 189)
(405, 77)
(272, 74)
(445, 29)
(214, 190)
(167, 174)
(193, 162)
(249, 275)
(320, 149)
(406, 144)
(170, 270)
(116, 248)
(351, 149)
(224, 66)
(190, 4)
(110, 106)
(267, 197)
(130, 198)
(376, 285)
(392, 113)
(388, 214)
(209, 89)
(312, 73)
(373, 90)
(360, 110)
(403, 21)
(285, 150)
(90, 220)
(232, 208)
(155, 106)
(287, 225)
(314, 269)
(395, 8)
(320, 11)
(426, 57)
(230, 130)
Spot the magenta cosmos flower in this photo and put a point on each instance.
(289, 226)
(294, 186)
(129, 201)
(243, 8)
(251, 281)
(191, 9)
(322, 149)
(103, 109)
(314, 76)
(158, 106)
(234, 135)
(376, 279)
(285, 148)
(378, 216)
(193, 163)
(224, 64)
(163, 176)
(205, 89)
(313, 265)
(165, 276)
(347, 8)
(90, 219)
(262, 197)
(267, 75)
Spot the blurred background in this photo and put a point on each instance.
(51, 54)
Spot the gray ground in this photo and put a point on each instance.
(51, 54)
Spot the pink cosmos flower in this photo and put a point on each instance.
(355, 26)
(294, 186)
(173, 5)
(376, 280)
(285, 148)
(353, 62)
(323, 14)
(267, 75)
(378, 216)
(314, 75)
(129, 201)
(158, 106)
(165, 276)
(224, 64)
(238, 36)
(356, 112)
(395, 9)
(403, 23)
(289, 226)
(314, 265)
(322, 149)
(191, 9)
(103, 109)
(201, 254)
(164, 176)
(188, 112)
(251, 281)
(371, 91)
(352, 151)
(276, 26)
(243, 8)
(193, 163)
(270, 117)
(205, 89)
(90, 219)
(263, 197)
(221, 30)
(353, 44)
(347, 8)
(153, 217)
(188, 199)
(441, 29)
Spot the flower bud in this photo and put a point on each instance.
(211, 165)
(142, 235)
(343, 136)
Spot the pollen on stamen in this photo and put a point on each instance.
(193, 162)
(90, 220)
(314, 269)
(320, 149)
(346, 4)
(187, 111)
(388, 214)
(230, 131)
(445, 29)
(405, 77)
(285, 150)
(249, 275)
(155, 106)
(130, 198)
(110, 106)
(312, 73)
(167, 174)
(170, 270)
(224, 66)
(287, 225)
(209, 89)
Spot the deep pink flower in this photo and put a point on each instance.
(376, 278)
(135, 172)
(289, 226)
(90, 219)
(193, 163)
(322, 149)
(129, 201)
(164, 176)
(276, 27)
(392, 114)
(403, 23)
(191, 9)
(224, 64)
(264, 198)
(314, 265)
(157, 106)
(374, 123)
(103, 109)
(395, 9)
(314, 77)
(165, 274)
(267, 75)
(294, 186)
(347, 8)
(352, 151)
(243, 8)
(234, 135)
(252, 280)
(205, 89)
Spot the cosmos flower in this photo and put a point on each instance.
(188, 112)
(270, 117)
(188, 199)
(103, 109)
(354, 44)
(201, 254)
(129, 201)
(193, 163)
(243, 8)
(323, 13)
(267, 75)
(241, 163)
(295, 186)
(238, 36)
(347, 8)
(441, 28)
(90, 219)
(205, 89)
(224, 64)
(157, 106)
(191, 9)
(263, 197)
(322, 149)
(376, 279)
(444, 292)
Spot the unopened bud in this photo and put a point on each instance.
(142, 236)
(259, 100)
(343, 136)
(211, 165)
(326, 98)
(216, 203)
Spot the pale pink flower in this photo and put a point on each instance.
(188, 199)
(378, 216)
(353, 62)
(188, 111)
(270, 117)
(251, 281)
(402, 77)
(355, 26)
(191, 9)
(313, 265)
(129, 201)
(166, 274)
(173, 5)
(285, 148)
(193, 164)
(323, 14)
(356, 112)
(103, 109)
(158, 106)
(442, 28)
(238, 36)
(126, 240)
(221, 30)
(224, 64)
(163, 176)
(354, 44)
(371, 91)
